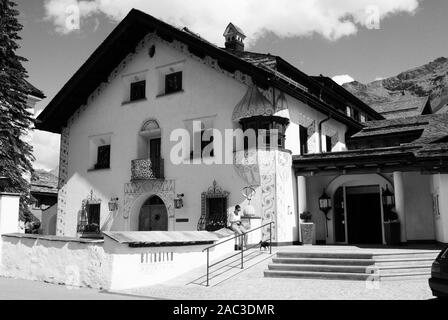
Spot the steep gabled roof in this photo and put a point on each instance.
(129, 32)
(401, 108)
(434, 126)
(44, 182)
(341, 91)
(33, 91)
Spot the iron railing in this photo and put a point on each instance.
(147, 169)
(209, 266)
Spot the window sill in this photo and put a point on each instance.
(169, 94)
(133, 101)
(99, 169)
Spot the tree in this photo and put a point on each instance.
(16, 155)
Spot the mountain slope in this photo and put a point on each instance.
(428, 80)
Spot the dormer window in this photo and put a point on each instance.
(173, 82)
(348, 111)
(138, 90)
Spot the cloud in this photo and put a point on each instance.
(46, 150)
(343, 78)
(285, 18)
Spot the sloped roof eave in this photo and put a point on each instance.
(123, 40)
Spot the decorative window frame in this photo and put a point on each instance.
(83, 214)
(164, 70)
(213, 192)
(130, 78)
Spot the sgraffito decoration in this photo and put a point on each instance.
(63, 176)
(164, 189)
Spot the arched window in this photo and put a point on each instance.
(150, 125)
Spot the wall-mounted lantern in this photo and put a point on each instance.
(179, 201)
(325, 207)
(388, 198)
(324, 203)
(113, 204)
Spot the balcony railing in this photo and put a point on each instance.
(147, 169)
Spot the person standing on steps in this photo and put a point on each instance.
(234, 223)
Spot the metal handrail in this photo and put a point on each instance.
(242, 248)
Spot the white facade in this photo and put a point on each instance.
(209, 94)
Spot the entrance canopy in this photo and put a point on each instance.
(406, 144)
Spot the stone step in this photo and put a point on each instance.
(415, 255)
(326, 255)
(359, 255)
(325, 261)
(315, 275)
(351, 269)
(404, 262)
(318, 268)
(406, 276)
(409, 275)
(423, 269)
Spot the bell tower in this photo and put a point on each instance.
(234, 38)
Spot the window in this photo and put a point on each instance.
(173, 82)
(348, 111)
(93, 213)
(328, 144)
(216, 214)
(266, 124)
(356, 115)
(103, 158)
(90, 218)
(303, 140)
(138, 90)
(204, 143)
(363, 117)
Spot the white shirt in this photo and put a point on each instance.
(232, 217)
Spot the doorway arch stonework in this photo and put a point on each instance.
(137, 192)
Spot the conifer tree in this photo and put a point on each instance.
(16, 155)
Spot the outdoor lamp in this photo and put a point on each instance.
(388, 198)
(179, 202)
(325, 207)
(324, 203)
(113, 204)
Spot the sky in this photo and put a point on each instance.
(347, 40)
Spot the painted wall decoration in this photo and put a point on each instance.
(268, 185)
(164, 189)
(63, 177)
(247, 167)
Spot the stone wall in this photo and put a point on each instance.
(98, 264)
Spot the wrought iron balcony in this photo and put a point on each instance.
(147, 169)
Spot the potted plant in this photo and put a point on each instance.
(91, 230)
(392, 227)
(307, 228)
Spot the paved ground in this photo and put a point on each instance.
(12, 289)
(251, 284)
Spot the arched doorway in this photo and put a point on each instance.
(153, 215)
(357, 212)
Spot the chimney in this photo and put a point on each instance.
(234, 38)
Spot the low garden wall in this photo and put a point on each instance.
(102, 264)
